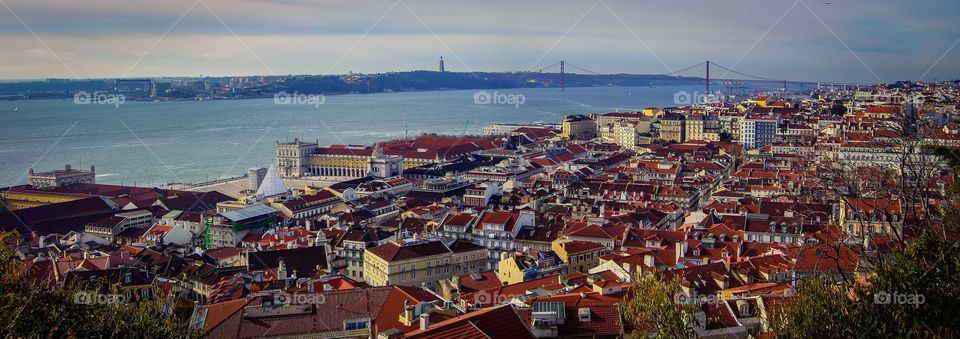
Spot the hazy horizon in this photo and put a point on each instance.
(842, 41)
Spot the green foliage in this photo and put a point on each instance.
(30, 308)
(949, 154)
(914, 295)
(838, 108)
(653, 305)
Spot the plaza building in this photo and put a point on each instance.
(307, 159)
(24, 196)
(61, 178)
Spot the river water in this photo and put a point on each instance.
(154, 143)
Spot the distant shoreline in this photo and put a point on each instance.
(341, 93)
(232, 88)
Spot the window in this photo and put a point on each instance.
(356, 324)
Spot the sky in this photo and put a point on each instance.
(843, 41)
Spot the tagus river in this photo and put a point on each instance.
(154, 143)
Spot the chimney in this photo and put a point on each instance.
(282, 269)
(407, 317)
(424, 321)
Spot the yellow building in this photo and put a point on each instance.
(510, 270)
(579, 255)
(653, 112)
(868, 217)
(421, 263)
(297, 160)
(578, 127)
(308, 159)
(762, 101)
(672, 128)
(702, 127)
(523, 266)
(25, 197)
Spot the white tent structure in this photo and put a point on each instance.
(271, 185)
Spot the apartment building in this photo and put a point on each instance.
(421, 263)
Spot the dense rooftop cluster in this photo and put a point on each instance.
(528, 231)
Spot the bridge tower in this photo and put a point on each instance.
(707, 85)
(562, 84)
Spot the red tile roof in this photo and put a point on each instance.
(392, 251)
(578, 246)
(605, 318)
(393, 307)
(495, 322)
(487, 280)
(218, 313)
(496, 295)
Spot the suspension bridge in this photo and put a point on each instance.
(735, 83)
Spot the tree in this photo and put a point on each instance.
(838, 109)
(31, 308)
(654, 306)
(915, 296)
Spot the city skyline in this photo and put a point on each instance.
(413, 169)
(802, 40)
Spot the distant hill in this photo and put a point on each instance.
(266, 86)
